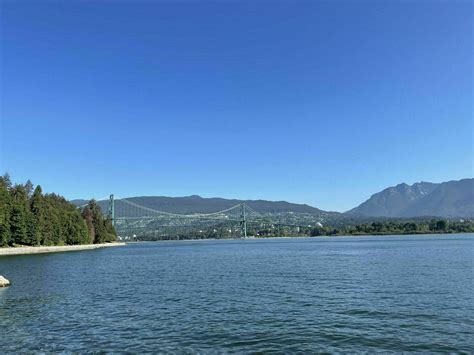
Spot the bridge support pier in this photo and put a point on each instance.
(243, 221)
(112, 209)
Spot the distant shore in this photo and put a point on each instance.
(54, 249)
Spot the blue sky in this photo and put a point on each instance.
(315, 102)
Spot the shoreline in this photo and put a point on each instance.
(336, 236)
(55, 249)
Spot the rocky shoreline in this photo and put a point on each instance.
(54, 249)
(4, 282)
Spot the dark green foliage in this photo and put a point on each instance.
(18, 214)
(29, 217)
(441, 225)
(111, 233)
(407, 227)
(100, 229)
(38, 209)
(5, 211)
(87, 216)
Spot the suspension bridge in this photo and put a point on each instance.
(124, 212)
(132, 218)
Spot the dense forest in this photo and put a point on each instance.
(29, 217)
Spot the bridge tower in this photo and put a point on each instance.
(112, 209)
(243, 221)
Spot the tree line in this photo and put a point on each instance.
(387, 227)
(432, 226)
(29, 217)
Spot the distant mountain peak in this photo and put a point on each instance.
(447, 199)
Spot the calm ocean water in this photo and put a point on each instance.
(393, 293)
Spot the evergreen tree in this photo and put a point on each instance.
(31, 229)
(5, 204)
(18, 216)
(98, 222)
(29, 188)
(111, 233)
(87, 216)
(7, 181)
(38, 209)
(27, 217)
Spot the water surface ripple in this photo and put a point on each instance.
(392, 293)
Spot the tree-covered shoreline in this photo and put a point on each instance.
(432, 226)
(407, 227)
(29, 217)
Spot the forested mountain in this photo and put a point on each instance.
(197, 204)
(29, 217)
(447, 199)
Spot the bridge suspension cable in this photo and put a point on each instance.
(175, 215)
(125, 209)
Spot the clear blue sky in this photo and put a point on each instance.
(316, 102)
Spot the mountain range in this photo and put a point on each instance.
(447, 199)
(198, 204)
